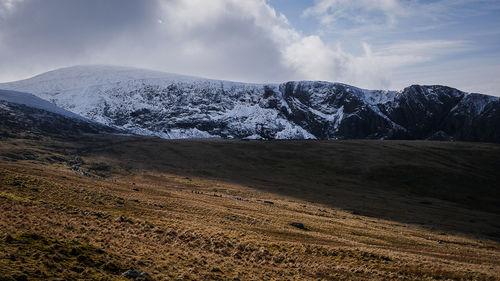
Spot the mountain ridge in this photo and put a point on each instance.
(178, 106)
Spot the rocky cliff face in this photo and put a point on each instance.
(439, 112)
(174, 106)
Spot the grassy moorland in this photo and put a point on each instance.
(93, 207)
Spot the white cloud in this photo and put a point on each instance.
(7, 6)
(348, 13)
(250, 41)
(310, 58)
(426, 49)
(346, 16)
(223, 39)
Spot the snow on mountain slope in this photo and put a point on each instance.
(175, 106)
(83, 76)
(35, 102)
(161, 104)
(25, 115)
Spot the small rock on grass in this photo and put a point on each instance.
(298, 225)
(135, 274)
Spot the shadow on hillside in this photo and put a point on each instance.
(442, 186)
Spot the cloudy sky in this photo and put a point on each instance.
(383, 44)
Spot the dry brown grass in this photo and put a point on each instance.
(188, 220)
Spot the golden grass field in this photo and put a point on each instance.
(92, 207)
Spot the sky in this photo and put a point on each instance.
(373, 44)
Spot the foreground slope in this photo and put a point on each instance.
(174, 106)
(96, 206)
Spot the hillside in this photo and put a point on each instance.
(174, 106)
(96, 206)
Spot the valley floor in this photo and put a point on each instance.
(96, 206)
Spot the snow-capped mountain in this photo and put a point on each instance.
(175, 106)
